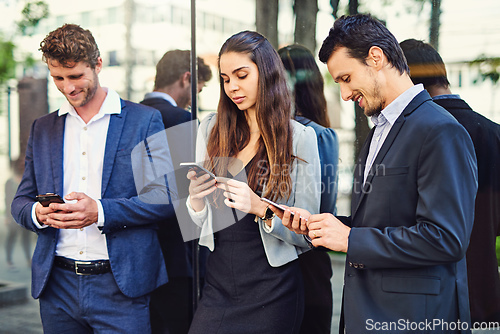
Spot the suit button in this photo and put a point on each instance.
(361, 266)
(355, 265)
(350, 264)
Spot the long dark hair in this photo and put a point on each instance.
(307, 81)
(231, 133)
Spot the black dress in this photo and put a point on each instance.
(242, 292)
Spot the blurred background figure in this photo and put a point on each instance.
(171, 304)
(427, 68)
(14, 231)
(307, 86)
(172, 91)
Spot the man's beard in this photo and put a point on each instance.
(377, 98)
(89, 94)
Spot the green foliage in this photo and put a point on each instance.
(498, 251)
(33, 12)
(7, 62)
(488, 67)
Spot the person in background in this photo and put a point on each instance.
(253, 282)
(13, 230)
(427, 68)
(414, 187)
(172, 88)
(97, 256)
(171, 304)
(307, 87)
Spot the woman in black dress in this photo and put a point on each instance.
(253, 282)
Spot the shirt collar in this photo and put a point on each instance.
(161, 95)
(111, 105)
(396, 107)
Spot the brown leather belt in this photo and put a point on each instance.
(83, 267)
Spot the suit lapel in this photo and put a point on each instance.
(57, 153)
(359, 171)
(391, 136)
(115, 129)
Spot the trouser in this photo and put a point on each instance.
(77, 304)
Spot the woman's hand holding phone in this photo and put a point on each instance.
(200, 186)
(295, 219)
(241, 197)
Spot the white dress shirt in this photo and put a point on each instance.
(83, 157)
(384, 122)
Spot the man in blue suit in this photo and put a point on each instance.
(97, 256)
(412, 205)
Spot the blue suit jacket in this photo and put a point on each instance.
(130, 224)
(411, 224)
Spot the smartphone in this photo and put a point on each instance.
(276, 205)
(48, 198)
(199, 169)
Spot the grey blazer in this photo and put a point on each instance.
(280, 244)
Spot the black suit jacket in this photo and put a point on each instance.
(411, 223)
(171, 115)
(482, 266)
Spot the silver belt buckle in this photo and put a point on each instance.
(76, 267)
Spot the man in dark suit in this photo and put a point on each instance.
(172, 91)
(427, 68)
(412, 205)
(171, 304)
(97, 256)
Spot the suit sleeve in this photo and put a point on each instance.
(446, 186)
(154, 190)
(24, 199)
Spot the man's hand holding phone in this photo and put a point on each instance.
(78, 214)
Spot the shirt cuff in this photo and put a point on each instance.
(33, 217)
(268, 228)
(100, 214)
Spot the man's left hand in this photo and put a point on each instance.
(79, 214)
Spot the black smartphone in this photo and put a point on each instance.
(48, 198)
(276, 205)
(199, 169)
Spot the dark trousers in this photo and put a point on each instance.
(79, 304)
(171, 307)
(316, 270)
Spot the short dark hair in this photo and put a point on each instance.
(426, 65)
(174, 63)
(358, 33)
(70, 44)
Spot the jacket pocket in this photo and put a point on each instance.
(383, 171)
(427, 285)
